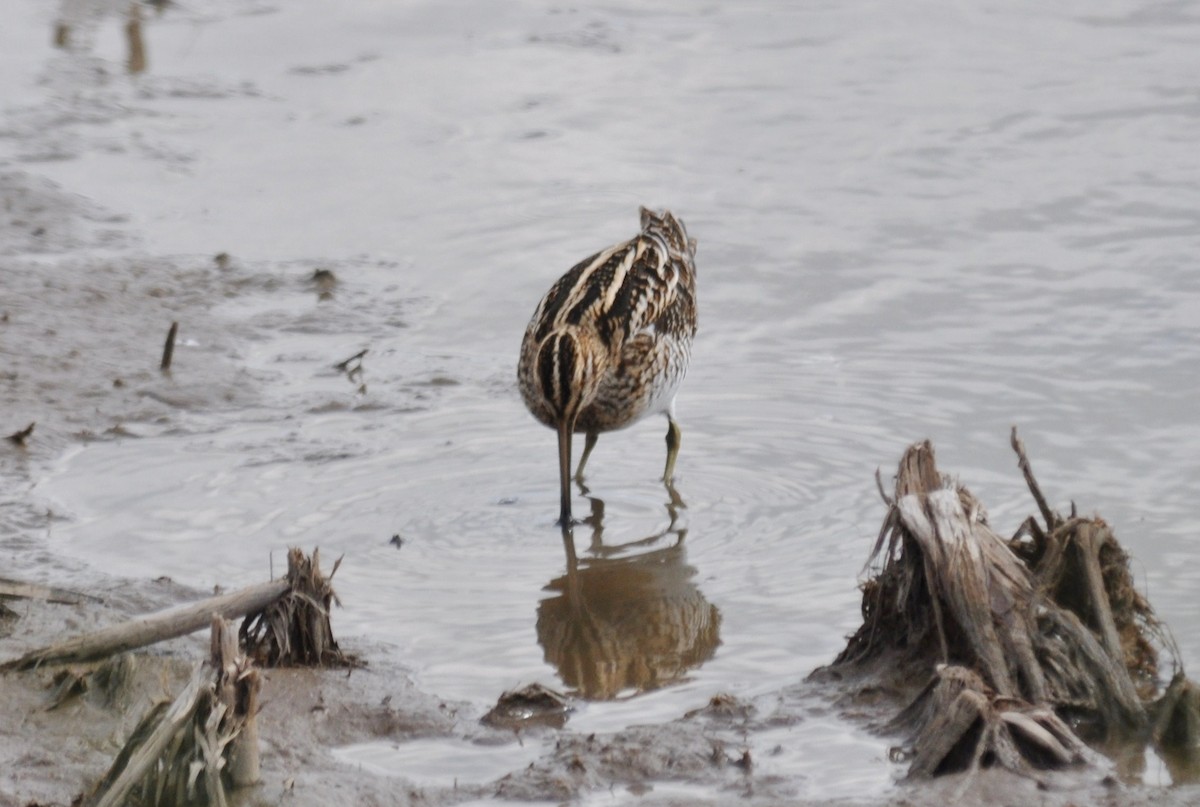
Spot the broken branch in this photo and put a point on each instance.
(153, 628)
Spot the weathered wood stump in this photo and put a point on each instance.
(1025, 644)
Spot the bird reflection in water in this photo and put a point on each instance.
(626, 618)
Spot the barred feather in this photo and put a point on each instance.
(611, 341)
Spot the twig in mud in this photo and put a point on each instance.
(344, 366)
(137, 47)
(353, 368)
(20, 437)
(169, 348)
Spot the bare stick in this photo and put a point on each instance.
(169, 347)
(1053, 520)
(152, 628)
(133, 35)
(882, 493)
(20, 437)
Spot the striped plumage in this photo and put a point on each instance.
(611, 340)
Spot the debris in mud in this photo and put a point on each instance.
(534, 706)
(960, 724)
(1176, 728)
(725, 708)
(222, 260)
(151, 628)
(353, 368)
(1026, 644)
(62, 35)
(198, 748)
(325, 281)
(7, 617)
(19, 437)
(169, 348)
(110, 679)
(637, 758)
(136, 63)
(294, 629)
(287, 623)
(351, 365)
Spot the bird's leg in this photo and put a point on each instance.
(673, 438)
(675, 502)
(588, 444)
(564, 472)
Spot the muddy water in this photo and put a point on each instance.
(935, 222)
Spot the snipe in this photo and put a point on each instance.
(611, 340)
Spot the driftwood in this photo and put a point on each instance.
(152, 628)
(287, 623)
(200, 746)
(1023, 642)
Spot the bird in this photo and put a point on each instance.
(611, 341)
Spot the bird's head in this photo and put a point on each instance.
(670, 229)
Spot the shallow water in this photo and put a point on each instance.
(933, 221)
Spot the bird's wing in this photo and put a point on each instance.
(578, 296)
(639, 295)
(621, 291)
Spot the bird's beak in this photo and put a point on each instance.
(564, 471)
